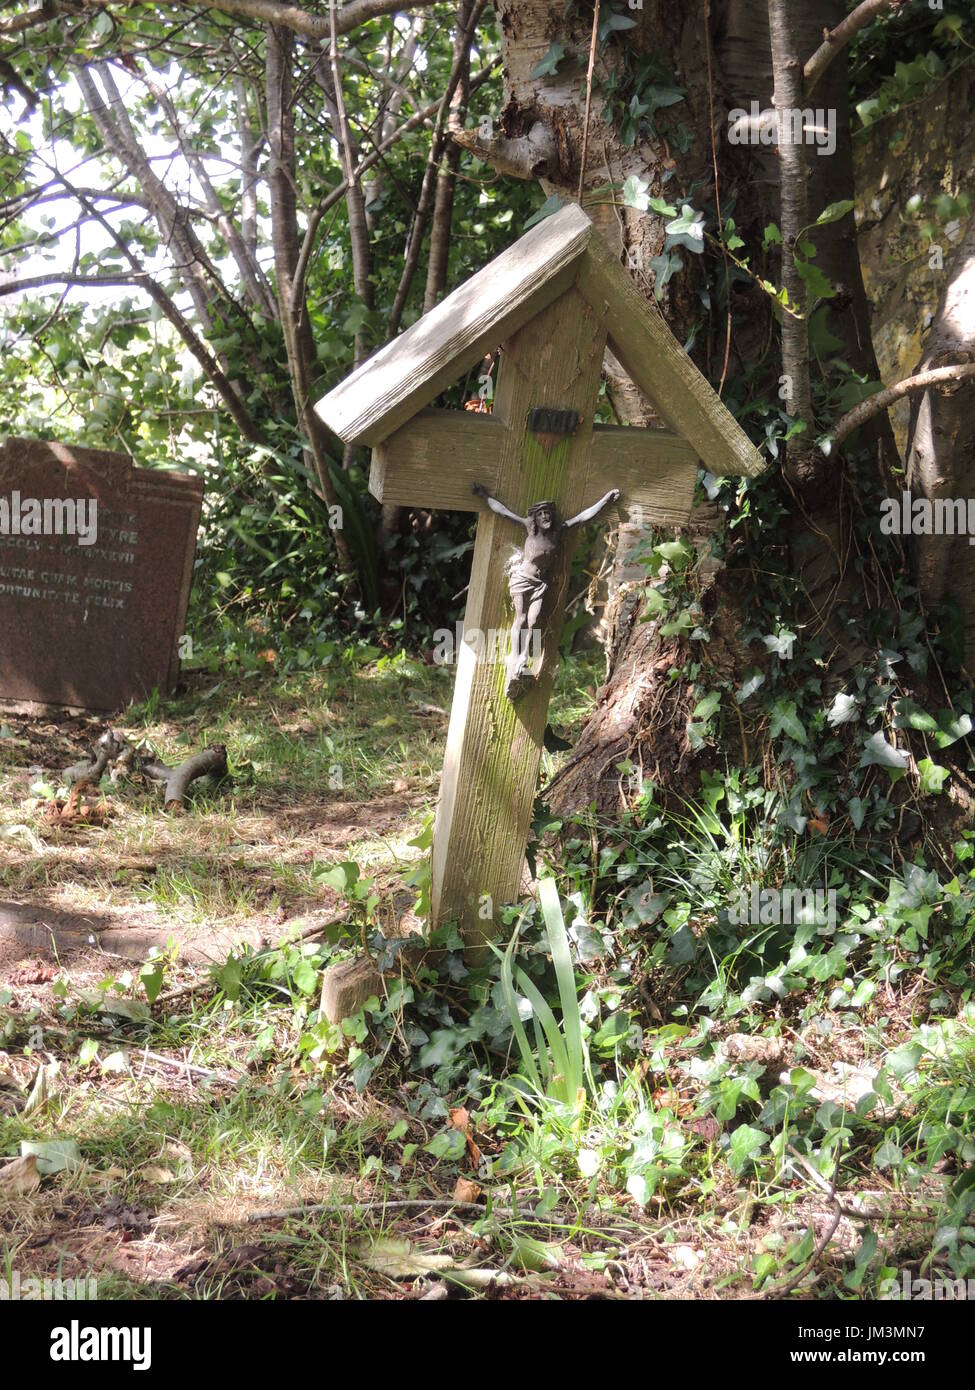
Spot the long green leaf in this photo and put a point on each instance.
(556, 1044)
(565, 975)
(511, 1004)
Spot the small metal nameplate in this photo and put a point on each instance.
(545, 420)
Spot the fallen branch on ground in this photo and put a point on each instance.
(113, 751)
(211, 762)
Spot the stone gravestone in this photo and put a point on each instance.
(96, 560)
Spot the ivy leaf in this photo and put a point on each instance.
(949, 28)
(686, 230)
(680, 624)
(305, 977)
(932, 777)
(745, 1144)
(843, 709)
(552, 204)
(908, 715)
(814, 279)
(449, 1144)
(752, 682)
(659, 97)
(664, 268)
(645, 904)
(888, 1155)
(549, 65)
(706, 707)
(635, 193)
(152, 975)
(341, 877)
(879, 753)
(610, 20)
(858, 812)
(952, 729)
(677, 554)
(731, 238)
(785, 720)
(781, 643)
(655, 605)
(834, 212)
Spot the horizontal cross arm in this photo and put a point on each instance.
(433, 461)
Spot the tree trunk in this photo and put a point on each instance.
(941, 448)
(295, 325)
(641, 711)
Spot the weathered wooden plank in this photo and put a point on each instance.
(493, 747)
(433, 460)
(414, 368)
(652, 356)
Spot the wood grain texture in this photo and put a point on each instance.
(433, 460)
(414, 368)
(652, 356)
(493, 747)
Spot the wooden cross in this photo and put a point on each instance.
(554, 301)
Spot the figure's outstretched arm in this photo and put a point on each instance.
(497, 506)
(592, 512)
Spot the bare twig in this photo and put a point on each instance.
(937, 376)
(347, 1208)
(834, 39)
(585, 131)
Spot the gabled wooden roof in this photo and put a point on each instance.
(564, 250)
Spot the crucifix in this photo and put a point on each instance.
(530, 571)
(554, 301)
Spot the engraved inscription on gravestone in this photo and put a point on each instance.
(96, 560)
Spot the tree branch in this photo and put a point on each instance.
(327, 203)
(17, 23)
(61, 277)
(184, 328)
(531, 156)
(834, 39)
(443, 209)
(293, 17)
(462, 47)
(115, 129)
(250, 144)
(252, 277)
(354, 200)
(866, 410)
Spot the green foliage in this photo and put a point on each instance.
(562, 1059)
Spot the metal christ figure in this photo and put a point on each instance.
(529, 573)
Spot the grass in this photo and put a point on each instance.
(636, 1155)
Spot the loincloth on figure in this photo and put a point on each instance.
(524, 578)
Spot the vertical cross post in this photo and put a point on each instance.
(494, 746)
